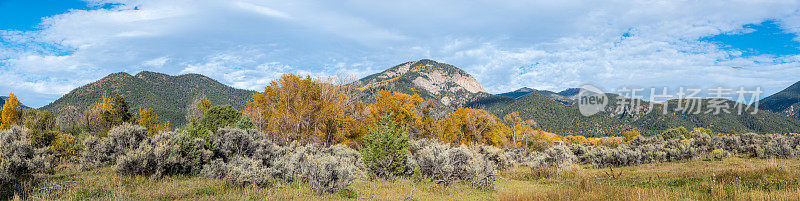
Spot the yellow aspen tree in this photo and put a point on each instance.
(399, 106)
(295, 108)
(513, 120)
(148, 119)
(10, 114)
(429, 128)
(629, 135)
(467, 126)
(93, 114)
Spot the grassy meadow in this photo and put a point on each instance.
(729, 179)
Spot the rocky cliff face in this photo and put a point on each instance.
(440, 82)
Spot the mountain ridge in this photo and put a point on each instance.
(786, 101)
(3, 102)
(449, 88)
(169, 96)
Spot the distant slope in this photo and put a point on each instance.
(563, 96)
(518, 93)
(3, 102)
(554, 116)
(169, 96)
(656, 121)
(786, 102)
(446, 85)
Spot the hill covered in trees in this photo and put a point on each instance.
(786, 102)
(556, 116)
(169, 96)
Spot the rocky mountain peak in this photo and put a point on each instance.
(442, 82)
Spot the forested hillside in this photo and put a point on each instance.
(169, 96)
(785, 102)
(657, 121)
(555, 116)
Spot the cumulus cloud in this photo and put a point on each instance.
(504, 44)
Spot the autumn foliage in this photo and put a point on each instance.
(295, 108)
(399, 107)
(10, 113)
(470, 126)
(149, 120)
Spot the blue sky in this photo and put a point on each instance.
(48, 48)
(27, 14)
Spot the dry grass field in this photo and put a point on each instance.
(730, 179)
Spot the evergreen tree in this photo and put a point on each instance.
(118, 114)
(219, 116)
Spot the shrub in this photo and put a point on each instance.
(778, 146)
(67, 146)
(495, 156)
(483, 174)
(124, 138)
(245, 123)
(104, 152)
(328, 174)
(719, 154)
(19, 160)
(444, 165)
(675, 133)
(93, 154)
(559, 156)
(165, 154)
(229, 142)
(240, 171)
(515, 156)
(536, 159)
(219, 116)
(384, 149)
(248, 158)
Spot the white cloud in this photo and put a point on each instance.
(505, 44)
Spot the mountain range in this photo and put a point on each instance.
(566, 96)
(3, 102)
(449, 88)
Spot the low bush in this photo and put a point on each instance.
(104, 152)
(67, 147)
(719, 154)
(240, 171)
(327, 174)
(20, 160)
(248, 158)
(229, 142)
(444, 165)
(165, 154)
(559, 156)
